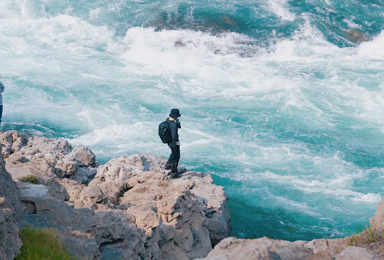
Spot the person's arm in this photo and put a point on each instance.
(2, 87)
(175, 135)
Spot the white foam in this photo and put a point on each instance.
(373, 49)
(351, 24)
(279, 7)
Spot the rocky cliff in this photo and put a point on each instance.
(10, 242)
(129, 208)
(126, 209)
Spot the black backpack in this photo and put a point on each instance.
(165, 132)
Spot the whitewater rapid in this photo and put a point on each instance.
(288, 117)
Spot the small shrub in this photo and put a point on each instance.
(366, 237)
(30, 178)
(41, 244)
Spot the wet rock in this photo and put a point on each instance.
(357, 36)
(180, 43)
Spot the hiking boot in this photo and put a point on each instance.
(174, 175)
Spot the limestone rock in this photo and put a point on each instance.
(377, 221)
(87, 234)
(212, 199)
(174, 213)
(66, 167)
(262, 249)
(356, 253)
(126, 209)
(84, 175)
(173, 205)
(45, 211)
(325, 248)
(48, 158)
(10, 205)
(83, 155)
(53, 149)
(73, 188)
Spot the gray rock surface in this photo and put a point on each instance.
(175, 213)
(377, 221)
(356, 253)
(262, 248)
(10, 205)
(270, 249)
(83, 155)
(128, 208)
(47, 158)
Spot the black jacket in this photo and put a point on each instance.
(174, 127)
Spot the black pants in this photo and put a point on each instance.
(174, 158)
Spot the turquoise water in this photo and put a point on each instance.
(278, 103)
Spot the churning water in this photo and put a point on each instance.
(278, 102)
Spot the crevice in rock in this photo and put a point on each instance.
(30, 207)
(111, 243)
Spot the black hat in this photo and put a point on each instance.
(175, 113)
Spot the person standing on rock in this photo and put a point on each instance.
(2, 88)
(174, 142)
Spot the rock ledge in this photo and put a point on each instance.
(126, 209)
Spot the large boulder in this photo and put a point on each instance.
(47, 158)
(182, 217)
(83, 155)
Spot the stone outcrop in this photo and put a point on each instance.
(377, 221)
(356, 253)
(128, 208)
(371, 246)
(47, 158)
(264, 248)
(10, 242)
(270, 249)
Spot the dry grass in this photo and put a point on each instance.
(368, 236)
(30, 178)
